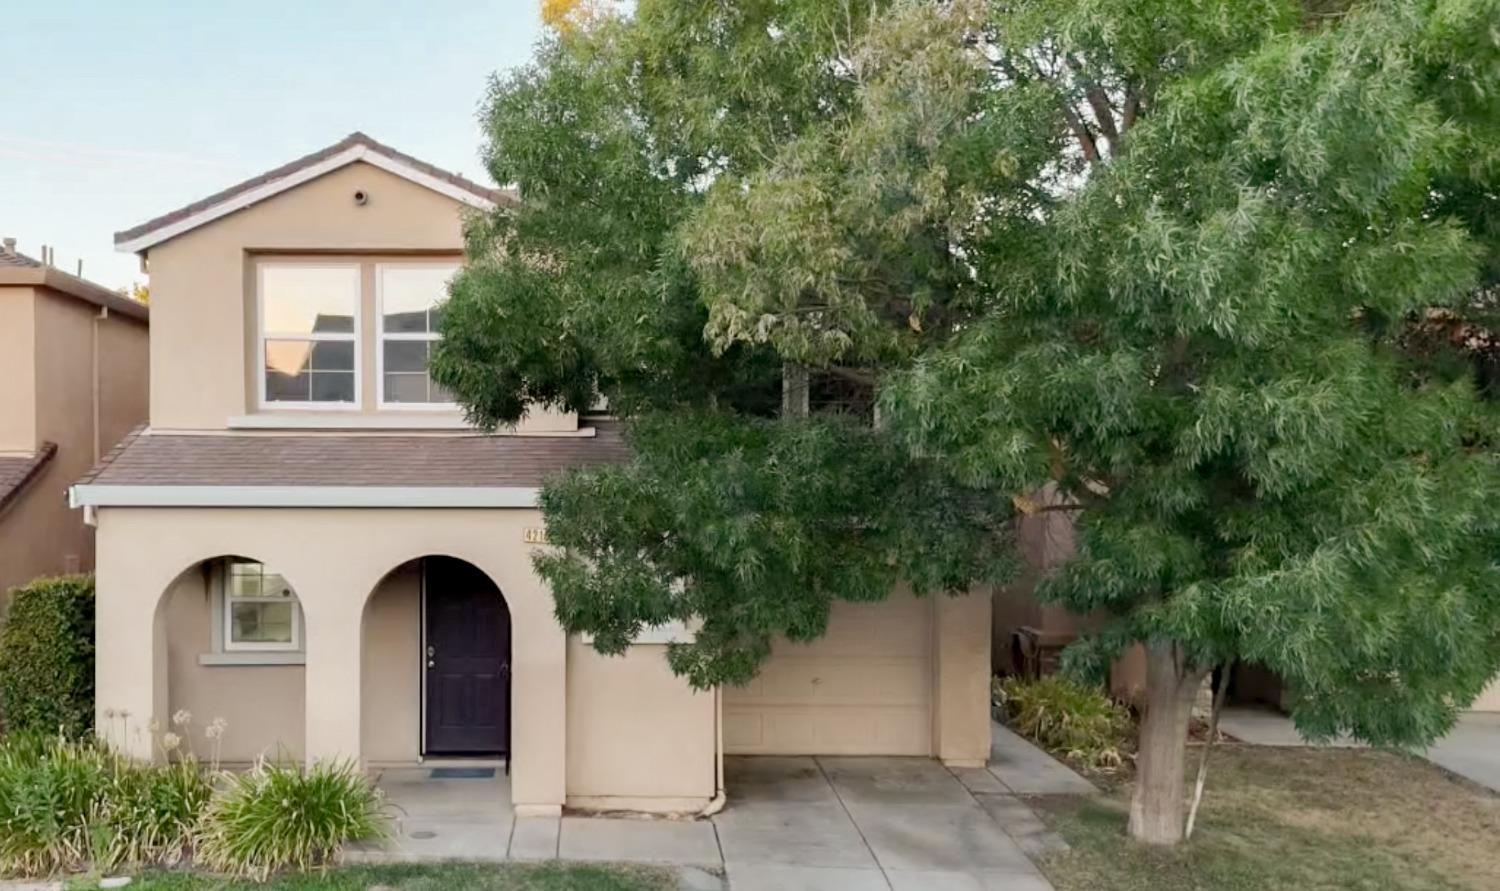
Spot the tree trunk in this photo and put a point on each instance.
(1156, 807)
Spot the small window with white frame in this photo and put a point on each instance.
(409, 299)
(259, 609)
(309, 335)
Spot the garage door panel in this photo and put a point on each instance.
(864, 689)
(803, 730)
(831, 680)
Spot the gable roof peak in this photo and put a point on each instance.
(357, 146)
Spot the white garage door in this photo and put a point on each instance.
(1489, 700)
(865, 688)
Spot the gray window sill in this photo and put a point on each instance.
(248, 658)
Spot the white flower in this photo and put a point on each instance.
(216, 728)
(182, 717)
(170, 741)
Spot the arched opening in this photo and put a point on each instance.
(436, 672)
(232, 628)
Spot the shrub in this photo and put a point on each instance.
(47, 657)
(50, 795)
(67, 805)
(150, 813)
(277, 816)
(1078, 722)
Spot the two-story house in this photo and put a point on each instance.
(309, 541)
(72, 383)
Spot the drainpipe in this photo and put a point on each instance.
(719, 799)
(98, 445)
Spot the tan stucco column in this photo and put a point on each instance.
(961, 675)
(130, 660)
(333, 628)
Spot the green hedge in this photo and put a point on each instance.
(47, 657)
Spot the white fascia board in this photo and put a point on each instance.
(297, 178)
(302, 496)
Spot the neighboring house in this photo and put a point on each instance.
(73, 365)
(310, 542)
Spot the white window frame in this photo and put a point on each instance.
(225, 609)
(381, 337)
(352, 337)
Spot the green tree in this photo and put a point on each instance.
(1175, 259)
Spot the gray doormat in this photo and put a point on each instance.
(462, 773)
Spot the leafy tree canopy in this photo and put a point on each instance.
(1203, 266)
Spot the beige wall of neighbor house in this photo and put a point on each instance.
(206, 362)
(50, 343)
(639, 738)
(905, 676)
(17, 370)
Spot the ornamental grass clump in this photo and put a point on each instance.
(1078, 722)
(68, 805)
(279, 816)
(51, 792)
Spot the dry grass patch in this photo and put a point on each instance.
(1303, 818)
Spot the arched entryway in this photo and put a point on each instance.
(437, 664)
(232, 631)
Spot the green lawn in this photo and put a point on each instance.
(1313, 820)
(501, 877)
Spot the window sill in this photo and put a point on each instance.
(268, 657)
(413, 420)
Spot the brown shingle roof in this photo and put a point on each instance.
(495, 195)
(9, 257)
(461, 461)
(16, 472)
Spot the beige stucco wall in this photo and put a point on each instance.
(639, 738)
(907, 676)
(262, 704)
(334, 559)
(392, 696)
(204, 359)
(46, 395)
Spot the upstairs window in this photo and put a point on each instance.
(408, 301)
(309, 319)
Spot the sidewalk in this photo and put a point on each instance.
(1471, 749)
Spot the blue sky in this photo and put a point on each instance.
(113, 112)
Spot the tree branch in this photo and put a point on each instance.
(1213, 735)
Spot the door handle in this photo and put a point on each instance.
(431, 652)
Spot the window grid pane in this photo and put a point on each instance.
(411, 298)
(261, 622)
(260, 607)
(309, 322)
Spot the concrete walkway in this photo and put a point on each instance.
(792, 824)
(1471, 749)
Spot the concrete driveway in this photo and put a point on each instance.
(792, 824)
(862, 824)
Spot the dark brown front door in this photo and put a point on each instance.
(468, 661)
